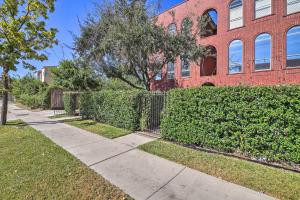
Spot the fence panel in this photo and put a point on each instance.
(57, 102)
(153, 105)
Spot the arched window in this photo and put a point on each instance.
(172, 29)
(263, 8)
(292, 6)
(263, 51)
(186, 26)
(185, 67)
(209, 62)
(236, 14)
(293, 47)
(235, 59)
(170, 71)
(209, 23)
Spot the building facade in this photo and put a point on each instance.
(253, 42)
(44, 74)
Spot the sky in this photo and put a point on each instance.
(65, 19)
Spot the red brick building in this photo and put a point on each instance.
(255, 42)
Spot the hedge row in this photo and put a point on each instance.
(71, 102)
(119, 109)
(261, 122)
(129, 109)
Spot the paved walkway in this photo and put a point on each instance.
(139, 174)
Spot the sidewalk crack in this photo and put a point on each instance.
(151, 195)
(111, 157)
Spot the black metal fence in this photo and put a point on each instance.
(153, 105)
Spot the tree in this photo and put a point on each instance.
(75, 76)
(23, 35)
(123, 40)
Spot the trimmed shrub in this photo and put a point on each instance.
(260, 122)
(71, 102)
(119, 108)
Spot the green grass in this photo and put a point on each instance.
(274, 182)
(98, 128)
(32, 167)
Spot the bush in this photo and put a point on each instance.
(71, 102)
(119, 108)
(261, 122)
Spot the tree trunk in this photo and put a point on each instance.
(5, 96)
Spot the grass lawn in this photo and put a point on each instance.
(32, 167)
(104, 130)
(274, 182)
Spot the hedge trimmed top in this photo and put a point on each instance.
(263, 122)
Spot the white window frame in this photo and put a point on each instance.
(291, 3)
(256, 9)
(241, 18)
(171, 74)
(185, 70)
(286, 53)
(172, 31)
(228, 67)
(271, 52)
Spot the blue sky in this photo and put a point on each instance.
(65, 19)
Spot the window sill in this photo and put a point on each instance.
(291, 68)
(263, 17)
(238, 73)
(291, 14)
(185, 77)
(263, 70)
(236, 28)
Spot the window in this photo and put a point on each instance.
(293, 47)
(186, 26)
(236, 14)
(263, 51)
(209, 23)
(172, 29)
(185, 67)
(235, 57)
(158, 76)
(292, 6)
(170, 71)
(263, 8)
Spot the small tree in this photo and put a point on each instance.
(75, 76)
(23, 35)
(123, 40)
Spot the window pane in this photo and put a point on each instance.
(170, 69)
(293, 47)
(172, 29)
(185, 67)
(235, 56)
(263, 8)
(236, 14)
(263, 52)
(158, 76)
(293, 6)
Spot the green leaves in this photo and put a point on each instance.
(124, 41)
(23, 32)
(263, 122)
(115, 108)
(75, 76)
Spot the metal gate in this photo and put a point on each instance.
(153, 105)
(57, 102)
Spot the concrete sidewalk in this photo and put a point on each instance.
(139, 174)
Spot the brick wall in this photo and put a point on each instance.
(276, 24)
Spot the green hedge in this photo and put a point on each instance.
(261, 122)
(118, 108)
(71, 102)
